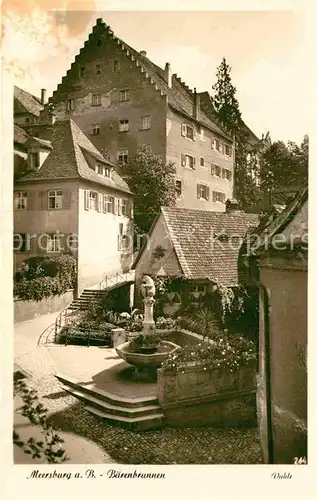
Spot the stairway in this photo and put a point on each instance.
(85, 299)
(137, 414)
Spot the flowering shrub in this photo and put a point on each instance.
(165, 323)
(223, 353)
(140, 341)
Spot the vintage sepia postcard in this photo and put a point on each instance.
(155, 234)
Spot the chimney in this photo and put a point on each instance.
(196, 110)
(232, 205)
(168, 74)
(143, 53)
(43, 96)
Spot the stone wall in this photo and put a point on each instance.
(29, 309)
(208, 397)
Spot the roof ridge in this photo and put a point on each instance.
(29, 93)
(131, 53)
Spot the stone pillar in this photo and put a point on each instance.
(148, 321)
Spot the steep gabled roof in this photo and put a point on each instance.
(273, 225)
(24, 102)
(179, 96)
(67, 159)
(207, 244)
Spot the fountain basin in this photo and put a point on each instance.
(142, 360)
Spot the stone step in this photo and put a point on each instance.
(136, 424)
(119, 411)
(112, 399)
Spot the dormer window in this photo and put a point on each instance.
(34, 160)
(102, 170)
(108, 172)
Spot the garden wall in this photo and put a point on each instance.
(30, 309)
(208, 397)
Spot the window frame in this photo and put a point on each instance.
(126, 93)
(178, 191)
(202, 163)
(96, 100)
(95, 128)
(109, 201)
(124, 125)
(98, 69)
(192, 166)
(115, 66)
(222, 197)
(146, 120)
(51, 239)
(91, 198)
(55, 197)
(124, 154)
(34, 159)
(203, 191)
(18, 198)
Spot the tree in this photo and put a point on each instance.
(153, 183)
(229, 116)
(285, 165)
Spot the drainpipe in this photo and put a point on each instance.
(267, 382)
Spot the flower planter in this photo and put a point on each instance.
(197, 396)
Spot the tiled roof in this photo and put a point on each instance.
(179, 96)
(207, 243)
(272, 225)
(67, 159)
(20, 136)
(26, 102)
(37, 141)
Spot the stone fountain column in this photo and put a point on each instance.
(148, 321)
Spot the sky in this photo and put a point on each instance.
(265, 49)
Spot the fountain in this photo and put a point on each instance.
(146, 352)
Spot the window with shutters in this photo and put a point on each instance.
(203, 191)
(122, 156)
(20, 200)
(228, 150)
(123, 239)
(96, 129)
(145, 122)
(187, 131)
(178, 187)
(190, 161)
(218, 145)
(55, 199)
(217, 196)
(34, 160)
(53, 243)
(125, 207)
(96, 100)
(124, 125)
(72, 241)
(93, 200)
(215, 170)
(108, 204)
(19, 242)
(124, 95)
(227, 174)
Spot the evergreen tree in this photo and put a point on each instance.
(153, 183)
(229, 116)
(285, 165)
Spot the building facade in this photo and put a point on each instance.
(121, 100)
(72, 201)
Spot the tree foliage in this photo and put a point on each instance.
(285, 165)
(229, 116)
(152, 182)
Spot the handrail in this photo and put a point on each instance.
(118, 277)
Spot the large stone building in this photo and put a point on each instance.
(72, 200)
(121, 100)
